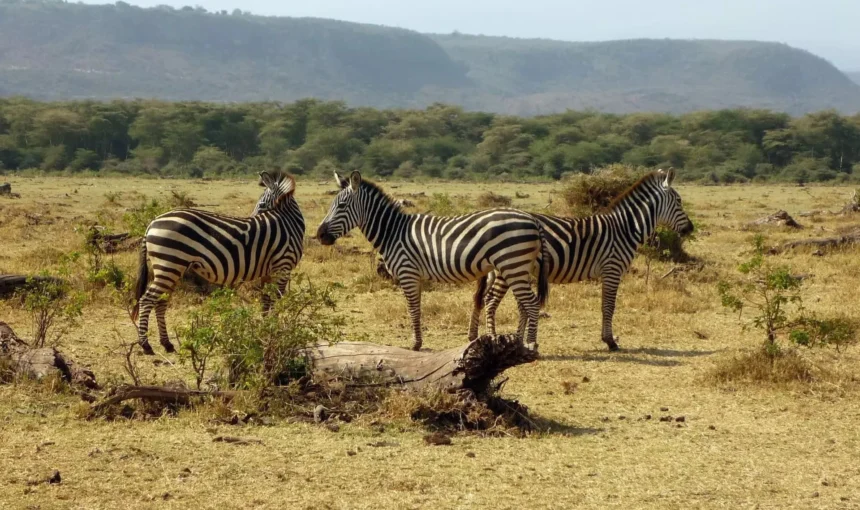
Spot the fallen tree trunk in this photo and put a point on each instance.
(472, 366)
(9, 283)
(469, 367)
(826, 242)
(39, 362)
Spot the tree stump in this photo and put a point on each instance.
(5, 189)
(41, 362)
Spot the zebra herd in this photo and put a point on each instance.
(498, 248)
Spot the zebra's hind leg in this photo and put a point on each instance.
(529, 310)
(160, 316)
(283, 285)
(497, 292)
(146, 304)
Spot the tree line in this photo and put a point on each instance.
(313, 137)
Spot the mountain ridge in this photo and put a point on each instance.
(59, 51)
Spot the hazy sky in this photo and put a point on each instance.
(828, 28)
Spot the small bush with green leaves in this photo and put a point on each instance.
(775, 296)
(138, 218)
(52, 305)
(257, 351)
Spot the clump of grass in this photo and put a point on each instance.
(586, 194)
(760, 366)
(112, 197)
(180, 199)
(443, 204)
(489, 199)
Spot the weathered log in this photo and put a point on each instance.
(826, 242)
(779, 218)
(472, 366)
(41, 362)
(9, 283)
(469, 367)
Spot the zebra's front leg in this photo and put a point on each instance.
(497, 292)
(477, 307)
(283, 285)
(160, 317)
(609, 295)
(412, 290)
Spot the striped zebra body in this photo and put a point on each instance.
(417, 247)
(603, 246)
(224, 250)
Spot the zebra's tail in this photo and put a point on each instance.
(543, 269)
(142, 280)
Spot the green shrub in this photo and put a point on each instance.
(52, 305)
(775, 297)
(257, 351)
(138, 218)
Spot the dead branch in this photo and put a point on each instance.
(820, 243)
(157, 393)
(779, 219)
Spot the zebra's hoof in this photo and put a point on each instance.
(612, 344)
(147, 349)
(168, 347)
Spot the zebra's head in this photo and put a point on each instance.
(345, 212)
(671, 212)
(279, 188)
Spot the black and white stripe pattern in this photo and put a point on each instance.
(222, 249)
(603, 246)
(418, 247)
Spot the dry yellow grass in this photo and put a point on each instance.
(740, 445)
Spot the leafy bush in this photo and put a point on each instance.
(775, 296)
(138, 218)
(52, 305)
(258, 351)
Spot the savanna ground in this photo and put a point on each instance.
(740, 444)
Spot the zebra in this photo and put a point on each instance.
(222, 249)
(420, 247)
(603, 245)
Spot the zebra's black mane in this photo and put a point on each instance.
(376, 189)
(620, 198)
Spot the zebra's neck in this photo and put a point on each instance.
(637, 214)
(382, 219)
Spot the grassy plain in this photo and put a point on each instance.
(742, 445)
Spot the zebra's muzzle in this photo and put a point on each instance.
(324, 237)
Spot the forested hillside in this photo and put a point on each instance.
(314, 137)
(51, 50)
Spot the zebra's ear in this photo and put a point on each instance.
(288, 186)
(267, 180)
(341, 182)
(670, 176)
(354, 180)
